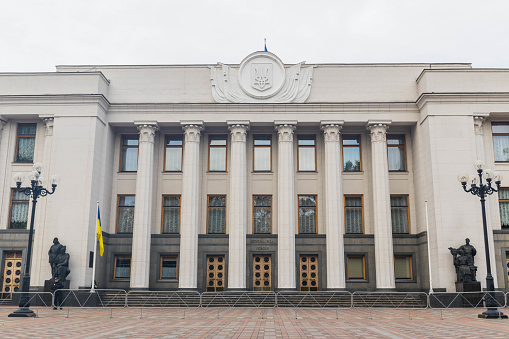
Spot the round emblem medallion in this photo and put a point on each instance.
(261, 75)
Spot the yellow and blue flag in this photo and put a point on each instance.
(100, 232)
(265, 45)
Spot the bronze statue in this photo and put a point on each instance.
(463, 260)
(53, 253)
(62, 265)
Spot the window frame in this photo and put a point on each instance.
(170, 207)
(259, 146)
(306, 146)
(161, 257)
(398, 146)
(115, 256)
(498, 134)
(407, 211)
(225, 211)
(122, 148)
(359, 136)
(353, 207)
(499, 201)
(363, 256)
(409, 256)
(165, 151)
(226, 152)
(10, 210)
(258, 207)
(315, 207)
(24, 136)
(118, 210)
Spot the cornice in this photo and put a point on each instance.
(456, 98)
(56, 99)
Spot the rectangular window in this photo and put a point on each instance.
(307, 214)
(352, 153)
(171, 214)
(396, 152)
(262, 158)
(403, 267)
(19, 209)
(26, 142)
(122, 267)
(503, 198)
(169, 265)
(129, 153)
(216, 214)
(500, 141)
(307, 153)
(399, 214)
(125, 213)
(173, 153)
(354, 216)
(262, 214)
(217, 153)
(356, 267)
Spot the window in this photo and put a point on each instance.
(129, 153)
(306, 153)
(217, 153)
(356, 267)
(396, 152)
(351, 153)
(262, 214)
(173, 153)
(354, 216)
(122, 267)
(19, 209)
(26, 142)
(403, 267)
(169, 265)
(503, 196)
(262, 159)
(307, 214)
(500, 141)
(216, 214)
(399, 214)
(171, 214)
(125, 213)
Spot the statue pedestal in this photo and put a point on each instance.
(470, 299)
(48, 283)
(474, 286)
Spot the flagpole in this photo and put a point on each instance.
(429, 251)
(92, 289)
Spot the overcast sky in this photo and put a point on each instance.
(36, 35)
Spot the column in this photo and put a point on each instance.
(286, 215)
(140, 260)
(384, 253)
(190, 206)
(334, 225)
(479, 147)
(237, 210)
(2, 123)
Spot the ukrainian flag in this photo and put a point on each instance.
(100, 232)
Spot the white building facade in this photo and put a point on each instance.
(257, 176)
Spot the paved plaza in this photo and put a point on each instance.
(248, 323)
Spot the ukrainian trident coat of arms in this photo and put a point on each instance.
(261, 76)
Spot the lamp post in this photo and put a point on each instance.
(482, 191)
(36, 190)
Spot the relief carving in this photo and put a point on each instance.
(48, 124)
(478, 125)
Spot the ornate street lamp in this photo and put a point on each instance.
(482, 190)
(35, 191)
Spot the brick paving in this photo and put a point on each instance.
(248, 323)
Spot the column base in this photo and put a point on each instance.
(238, 290)
(22, 312)
(382, 290)
(492, 313)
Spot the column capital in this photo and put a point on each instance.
(192, 131)
(2, 123)
(147, 130)
(238, 132)
(478, 124)
(48, 124)
(331, 130)
(378, 130)
(285, 131)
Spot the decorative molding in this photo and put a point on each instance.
(285, 132)
(147, 132)
(378, 132)
(478, 124)
(48, 124)
(332, 132)
(238, 132)
(192, 132)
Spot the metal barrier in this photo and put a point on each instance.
(341, 299)
(466, 299)
(401, 300)
(239, 299)
(163, 299)
(35, 299)
(111, 298)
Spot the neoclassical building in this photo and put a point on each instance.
(255, 176)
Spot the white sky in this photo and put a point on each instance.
(36, 35)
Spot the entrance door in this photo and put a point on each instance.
(309, 272)
(262, 277)
(12, 273)
(215, 273)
